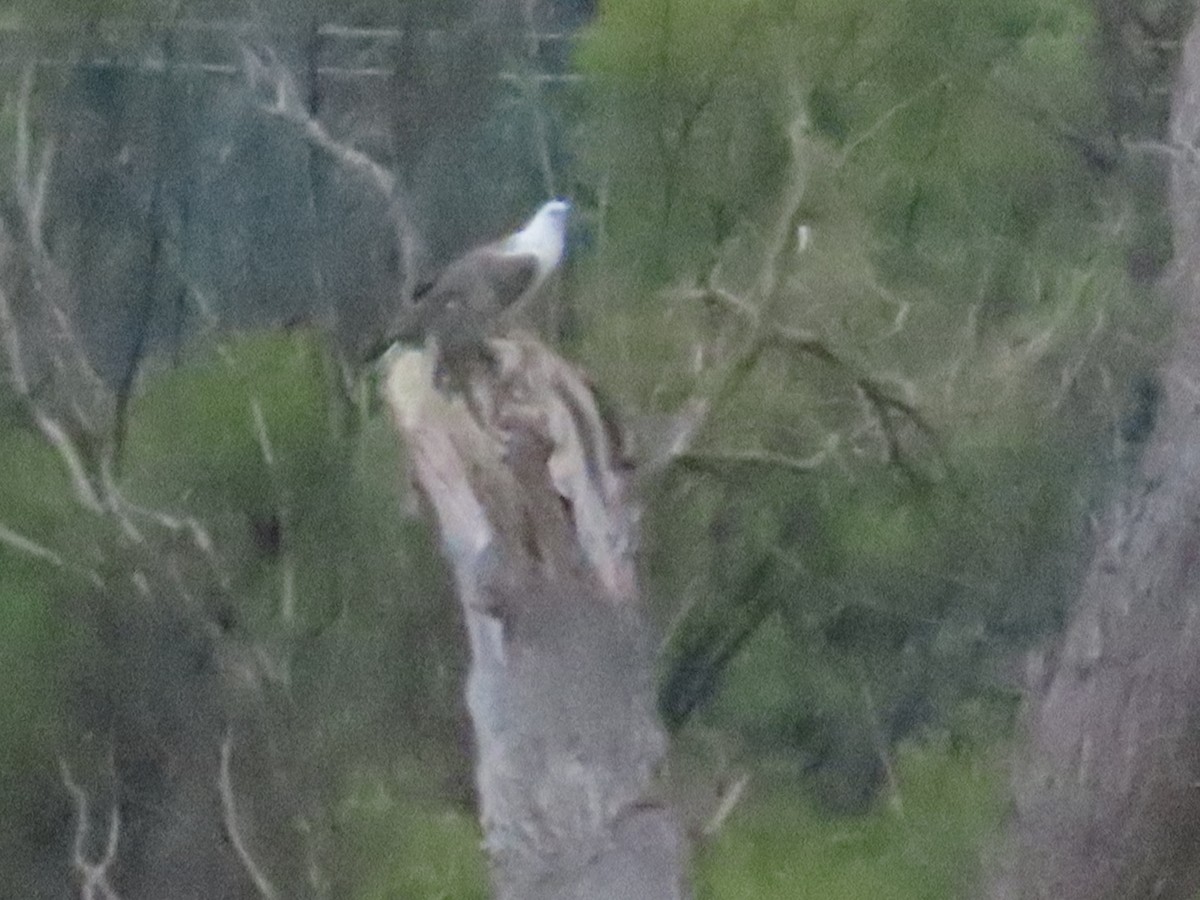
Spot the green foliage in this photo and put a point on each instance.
(235, 422)
(252, 439)
(403, 848)
(925, 845)
(935, 116)
(305, 505)
(685, 132)
(260, 568)
(901, 494)
(832, 615)
(45, 553)
(36, 496)
(32, 635)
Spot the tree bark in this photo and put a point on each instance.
(1107, 794)
(531, 497)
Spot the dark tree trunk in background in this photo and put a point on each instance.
(531, 498)
(1107, 803)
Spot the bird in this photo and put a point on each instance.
(459, 310)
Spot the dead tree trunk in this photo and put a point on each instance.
(1108, 792)
(530, 494)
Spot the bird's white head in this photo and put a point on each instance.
(544, 235)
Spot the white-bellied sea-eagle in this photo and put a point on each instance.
(459, 309)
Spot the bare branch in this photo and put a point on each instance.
(1175, 151)
(756, 307)
(232, 826)
(261, 434)
(50, 282)
(21, 169)
(718, 296)
(731, 796)
(880, 400)
(30, 187)
(24, 545)
(879, 124)
(882, 403)
(186, 525)
(85, 492)
(288, 105)
(93, 876)
(658, 442)
(11, 338)
(264, 70)
(763, 296)
(113, 503)
(767, 294)
(721, 461)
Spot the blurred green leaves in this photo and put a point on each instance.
(32, 636)
(924, 845)
(253, 417)
(47, 554)
(255, 567)
(407, 849)
(961, 330)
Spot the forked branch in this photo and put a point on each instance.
(93, 877)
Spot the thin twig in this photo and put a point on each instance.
(56, 435)
(880, 400)
(756, 308)
(30, 187)
(880, 123)
(716, 461)
(24, 545)
(230, 70)
(730, 798)
(261, 434)
(201, 539)
(289, 106)
(93, 876)
(895, 800)
(11, 337)
(232, 826)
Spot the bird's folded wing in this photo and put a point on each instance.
(509, 276)
(461, 305)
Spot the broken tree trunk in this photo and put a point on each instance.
(531, 497)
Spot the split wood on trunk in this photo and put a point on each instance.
(531, 496)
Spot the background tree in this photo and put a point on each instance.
(894, 254)
(1105, 805)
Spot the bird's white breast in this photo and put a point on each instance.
(542, 237)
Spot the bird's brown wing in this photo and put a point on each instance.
(460, 309)
(464, 304)
(510, 276)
